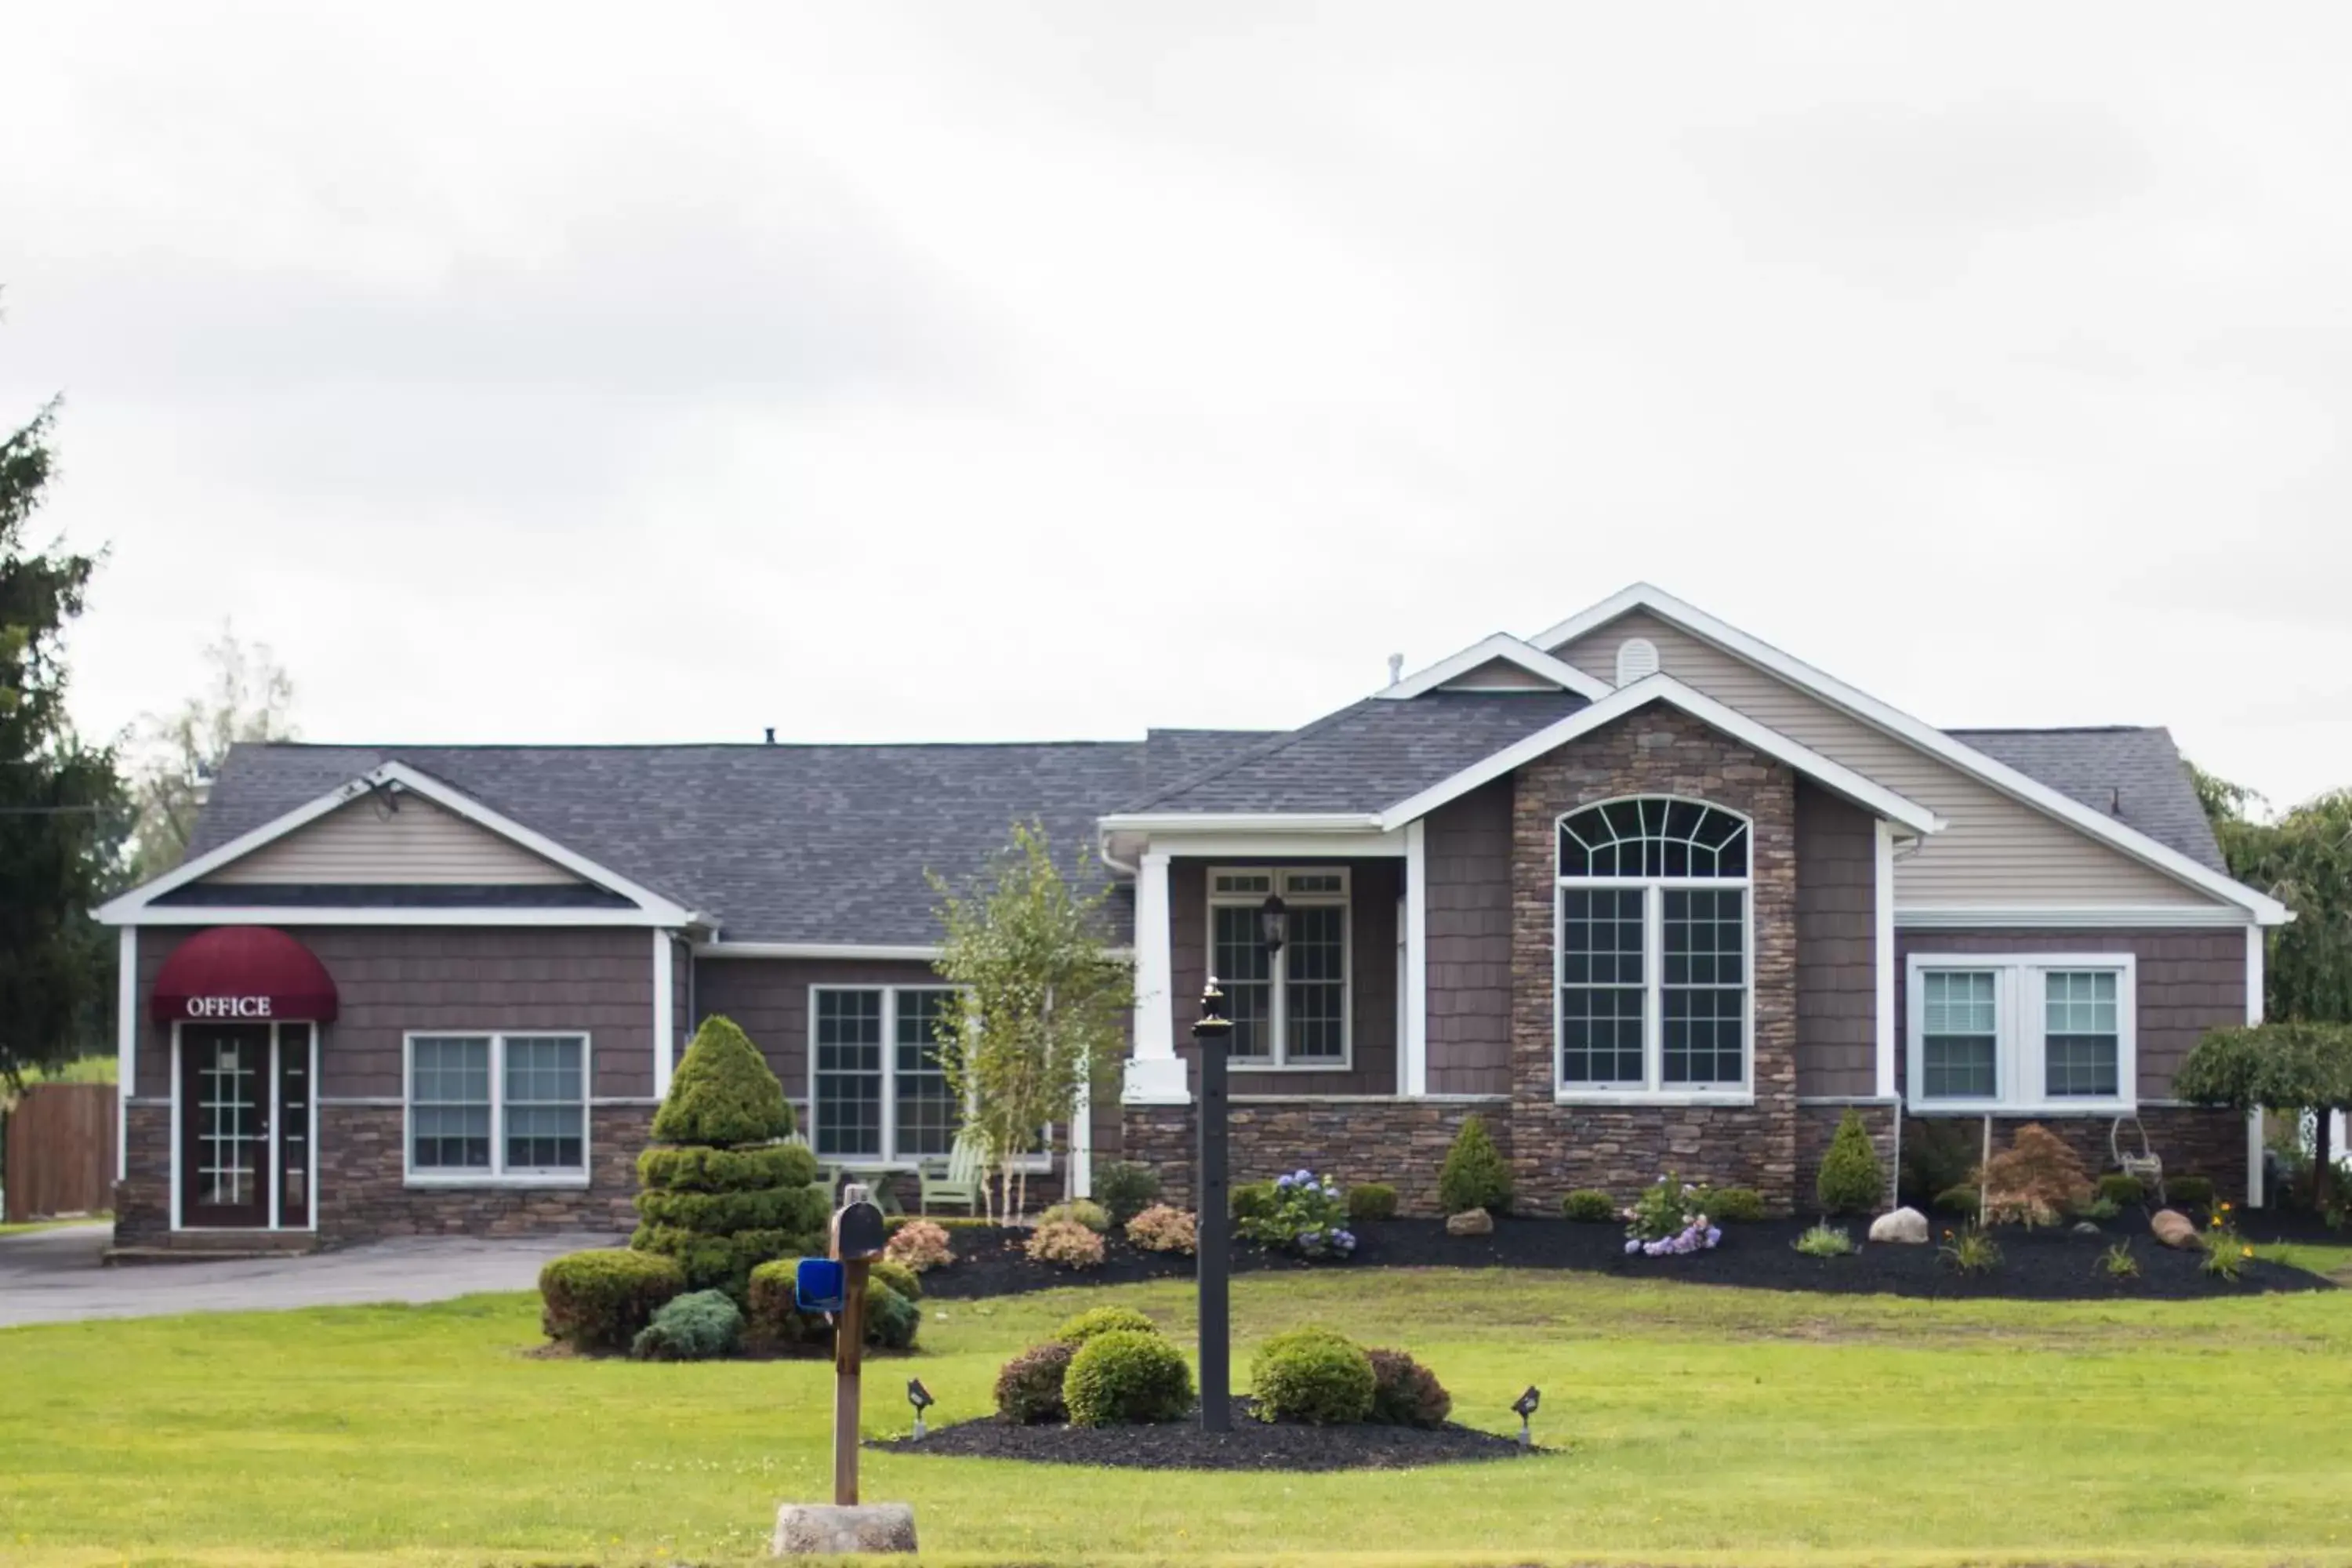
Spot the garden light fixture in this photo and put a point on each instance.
(920, 1398)
(1523, 1407)
(1273, 924)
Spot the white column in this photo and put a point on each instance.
(1082, 1144)
(1155, 1074)
(1414, 1027)
(2256, 1197)
(126, 1045)
(664, 1020)
(1882, 912)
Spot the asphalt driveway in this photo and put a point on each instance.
(55, 1276)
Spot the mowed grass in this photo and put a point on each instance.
(1696, 1424)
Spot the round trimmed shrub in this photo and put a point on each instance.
(600, 1300)
(1065, 1242)
(1312, 1375)
(2189, 1191)
(1474, 1175)
(1125, 1189)
(891, 1321)
(1029, 1386)
(1126, 1377)
(1733, 1205)
(1077, 1331)
(1851, 1180)
(1163, 1229)
(1371, 1200)
(1406, 1393)
(2121, 1190)
(1251, 1200)
(1961, 1199)
(1587, 1205)
(919, 1244)
(896, 1275)
(1078, 1211)
(702, 1325)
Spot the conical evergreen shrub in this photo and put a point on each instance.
(1851, 1181)
(1474, 1175)
(718, 1191)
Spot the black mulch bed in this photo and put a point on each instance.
(2043, 1265)
(1252, 1445)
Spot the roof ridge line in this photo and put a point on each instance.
(1267, 748)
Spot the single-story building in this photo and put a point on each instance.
(1642, 890)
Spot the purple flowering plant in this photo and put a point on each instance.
(1308, 1217)
(1669, 1220)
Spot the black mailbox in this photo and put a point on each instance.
(858, 1232)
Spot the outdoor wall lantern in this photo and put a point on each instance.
(1523, 1407)
(1273, 922)
(920, 1398)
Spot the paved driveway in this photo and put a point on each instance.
(54, 1275)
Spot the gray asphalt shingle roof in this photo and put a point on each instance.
(2135, 775)
(831, 844)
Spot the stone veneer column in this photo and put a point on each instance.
(1623, 1148)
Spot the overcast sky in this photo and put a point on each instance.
(580, 373)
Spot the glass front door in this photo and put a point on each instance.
(244, 1125)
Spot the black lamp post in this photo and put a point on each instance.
(1210, 1036)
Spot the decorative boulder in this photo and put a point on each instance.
(1905, 1227)
(1470, 1222)
(2173, 1228)
(823, 1530)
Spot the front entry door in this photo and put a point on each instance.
(225, 1095)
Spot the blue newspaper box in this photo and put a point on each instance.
(817, 1284)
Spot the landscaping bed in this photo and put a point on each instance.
(2051, 1265)
(1252, 1445)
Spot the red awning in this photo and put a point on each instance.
(247, 973)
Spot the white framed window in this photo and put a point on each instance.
(1290, 1009)
(1653, 973)
(878, 1093)
(488, 1106)
(2047, 1033)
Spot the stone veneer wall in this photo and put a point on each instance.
(2191, 1141)
(1357, 1139)
(143, 1199)
(361, 1195)
(1622, 1148)
(1817, 1125)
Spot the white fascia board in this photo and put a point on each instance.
(1160, 824)
(2071, 917)
(914, 952)
(2018, 787)
(1835, 776)
(374, 915)
(137, 905)
(1272, 843)
(1505, 647)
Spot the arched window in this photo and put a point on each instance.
(1654, 950)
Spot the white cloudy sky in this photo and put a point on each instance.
(601, 373)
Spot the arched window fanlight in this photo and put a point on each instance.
(1654, 835)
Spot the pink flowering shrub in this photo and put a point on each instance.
(1065, 1243)
(1160, 1228)
(920, 1246)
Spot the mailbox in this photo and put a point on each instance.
(858, 1232)
(817, 1284)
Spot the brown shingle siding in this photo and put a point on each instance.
(1837, 969)
(1467, 853)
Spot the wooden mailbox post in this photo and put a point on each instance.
(859, 1235)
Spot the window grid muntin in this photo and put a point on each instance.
(545, 1111)
(917, 1118)
(461, 1103)
(1959, 1039)
(1263, 999)
(1660, 844)
(846, 1059)
(2039, 1068)
(2082, 1034)
(924, 1116)
(1603, 956)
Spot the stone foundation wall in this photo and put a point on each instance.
(2190, 1140)
(1369, 1139)
(143, 1199)
(1817, 1125)
(360, 1194)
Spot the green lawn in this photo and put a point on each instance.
(1700, 1426)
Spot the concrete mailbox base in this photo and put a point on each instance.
(827, 1529)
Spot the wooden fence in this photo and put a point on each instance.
(60, 1143)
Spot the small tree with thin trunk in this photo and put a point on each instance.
(1045, 1002)
(2277, 1067)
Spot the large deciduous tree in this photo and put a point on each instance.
(1045, 1001)
(2288, 1064)
(246, 697)
(58, 798)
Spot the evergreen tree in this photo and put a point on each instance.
(1850, 1180)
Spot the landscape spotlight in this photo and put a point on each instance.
(920, 1398)
(1523, 1407)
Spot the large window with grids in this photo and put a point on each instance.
(1290, 1008)
(1652, 958)
(492, 1107)
(876, 1090)
(2048, 1032)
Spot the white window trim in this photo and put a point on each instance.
(1279, 979)
(1654, 1089)
(890, 1160)
(2018, 1061)
(497, 1175)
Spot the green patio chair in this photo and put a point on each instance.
(955, 1184)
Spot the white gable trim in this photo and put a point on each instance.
(1875, 798)
(1510, 649)
(2018, 787)
(135, 907)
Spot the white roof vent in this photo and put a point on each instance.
(1636, 658)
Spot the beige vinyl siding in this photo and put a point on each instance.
(1500, 675)
(1995, 850)
(420, 843)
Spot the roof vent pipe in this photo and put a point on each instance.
(1396, 668)
(772, 735)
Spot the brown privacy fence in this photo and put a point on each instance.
(60, 1143)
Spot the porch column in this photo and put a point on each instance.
(2256, 1197)
(1081, 1173)
(664, 1020)
(1413, 1059)
(1155, 1074)
(1881, 900)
